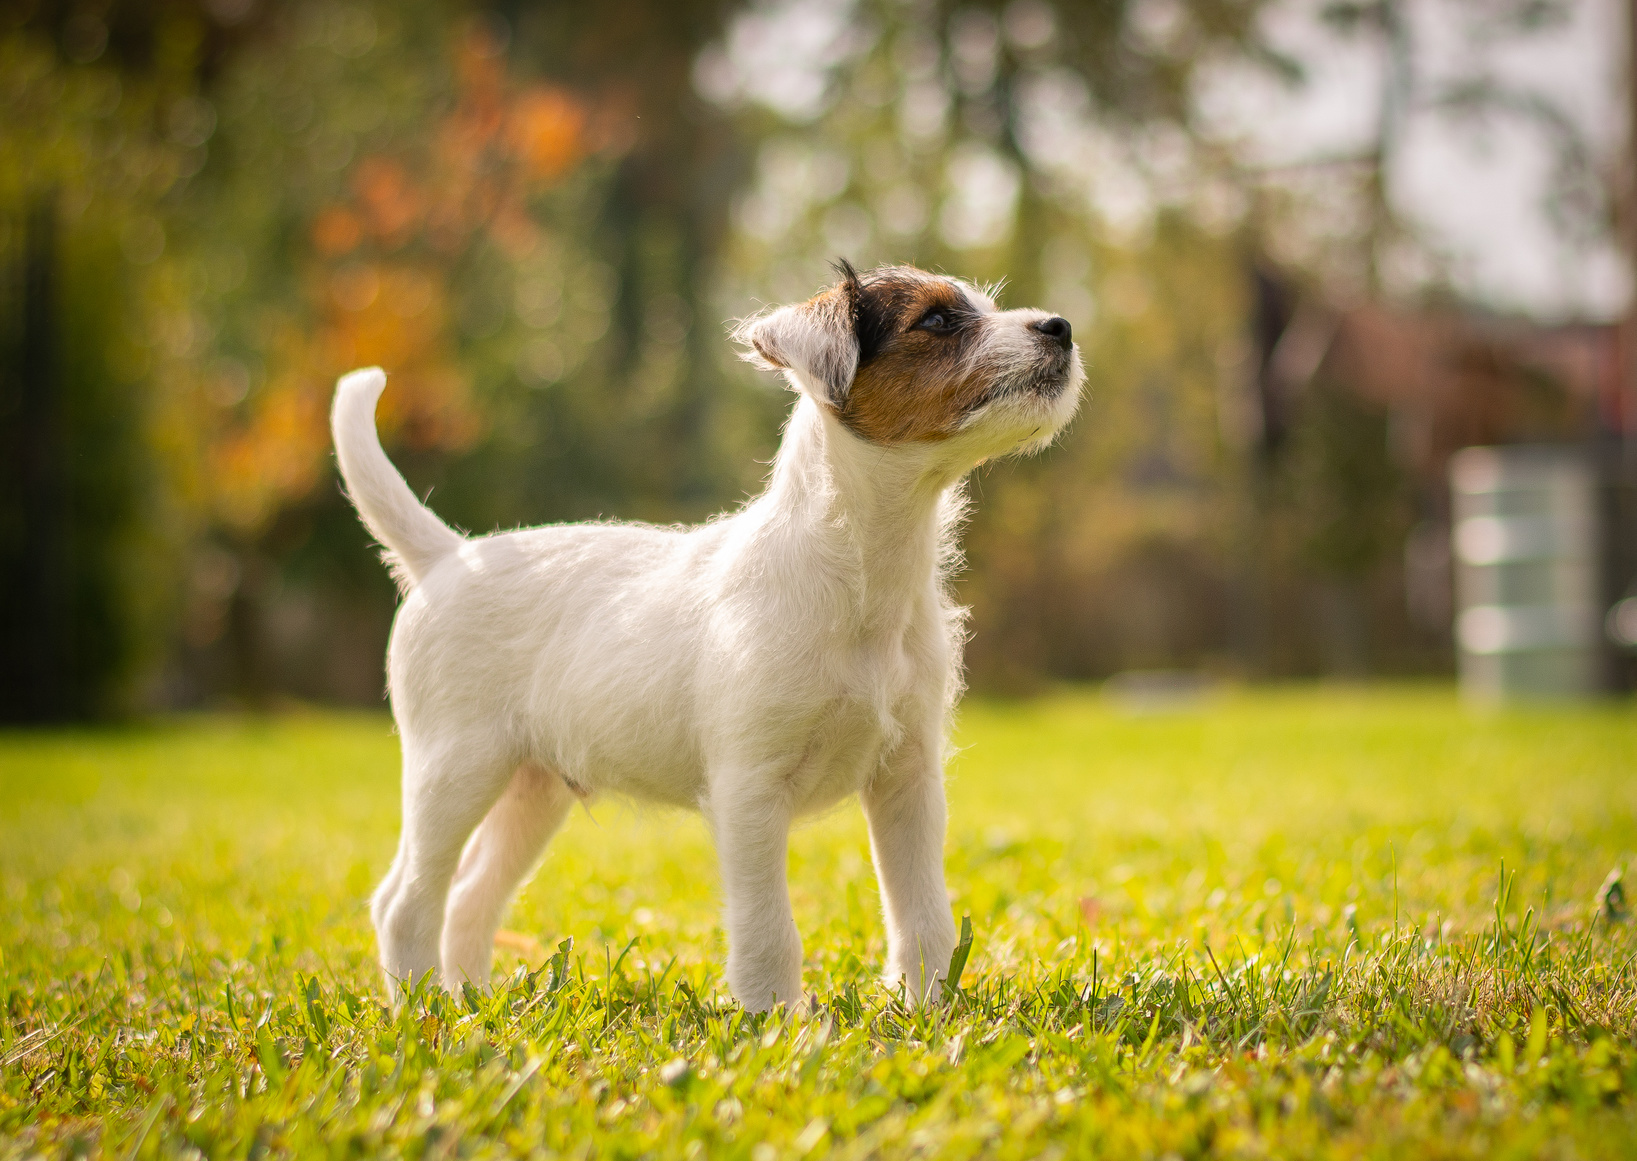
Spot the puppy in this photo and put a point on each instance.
(757, 668)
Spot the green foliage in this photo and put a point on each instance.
(549, 359)
(1051, 147)
(94, 506)
(1328, 924)
(255, 199)
(1345, 487)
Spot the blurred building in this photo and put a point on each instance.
(1446, 379)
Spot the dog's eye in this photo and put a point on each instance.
(934, 320)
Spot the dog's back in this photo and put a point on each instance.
(580, 640)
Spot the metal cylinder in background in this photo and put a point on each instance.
(1527, 572)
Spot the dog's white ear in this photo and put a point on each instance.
(815, 343)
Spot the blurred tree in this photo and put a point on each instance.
(1052, 146)
(96, 140)
(1216, 503)
(676, 437)
(514, 209)
(511, 210)
(536, 215)
(414, 167)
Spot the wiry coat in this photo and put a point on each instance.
(759, 667)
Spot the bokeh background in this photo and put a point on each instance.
(1309, 249)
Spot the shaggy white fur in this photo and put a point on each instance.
(759, 667)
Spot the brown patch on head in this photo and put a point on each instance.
(916, 377)
(901, 356)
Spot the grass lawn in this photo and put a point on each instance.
(1275, 924)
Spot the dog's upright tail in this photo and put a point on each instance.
(415, 539)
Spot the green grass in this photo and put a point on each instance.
(1277, 924)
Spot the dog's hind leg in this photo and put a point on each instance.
(446, 793)
(502, 850)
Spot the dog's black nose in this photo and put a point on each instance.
(1057, 328)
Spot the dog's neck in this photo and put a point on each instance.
(873, 518)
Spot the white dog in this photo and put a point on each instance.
(759, 667)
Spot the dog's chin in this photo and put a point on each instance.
(1022, 421)
(1046, 401)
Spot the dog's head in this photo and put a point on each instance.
(901, 356)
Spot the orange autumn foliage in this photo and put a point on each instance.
(378, 287)
(545, 130)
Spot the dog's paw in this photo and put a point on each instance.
(764, 999)
(763, 990)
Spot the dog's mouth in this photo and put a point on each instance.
(1044, 382)
(1050, 382)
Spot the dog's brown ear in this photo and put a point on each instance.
(815, 343)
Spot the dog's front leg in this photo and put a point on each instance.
(905, 809)
(764, 948)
